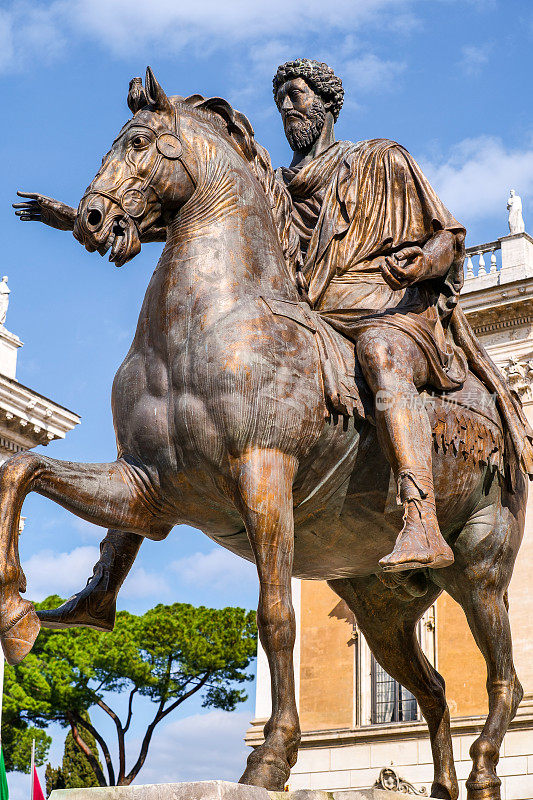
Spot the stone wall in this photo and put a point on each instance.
(357, 763)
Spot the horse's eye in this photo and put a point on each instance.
(140, 142)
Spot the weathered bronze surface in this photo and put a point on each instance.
(236, 409)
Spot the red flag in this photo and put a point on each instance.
(37, 792)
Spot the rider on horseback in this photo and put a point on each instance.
(382, 263)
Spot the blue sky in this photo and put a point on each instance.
(449, 79)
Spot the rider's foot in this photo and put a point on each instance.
(93, 607)
(420, 543)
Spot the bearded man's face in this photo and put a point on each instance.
(303, 113)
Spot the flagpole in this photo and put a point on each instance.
(32, 767)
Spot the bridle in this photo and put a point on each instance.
(133, 199)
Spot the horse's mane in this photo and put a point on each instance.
(241, 135)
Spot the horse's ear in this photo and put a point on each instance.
(155, 94)
(136, 95)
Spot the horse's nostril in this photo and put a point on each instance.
(94, 217)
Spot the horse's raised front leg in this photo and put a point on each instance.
(115, 495)
(264, 484)
(388, 622)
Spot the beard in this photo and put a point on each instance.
(302, 132)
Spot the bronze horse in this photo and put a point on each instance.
(220, 422)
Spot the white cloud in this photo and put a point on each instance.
(473, 58)
(122, 25)
(29, 31)
(368, 73)
(87, 529)
(140, 584)
(204, 746)
(49, 573)
(218, 569)
(474, 179)
(200, 747)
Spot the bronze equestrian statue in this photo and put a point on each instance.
(244, 409)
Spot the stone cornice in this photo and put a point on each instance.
(393, 731)
(493, 312)
(501, 325)
(500, 294)
(27, 418)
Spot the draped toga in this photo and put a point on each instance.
(355, 204)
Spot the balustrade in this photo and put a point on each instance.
(479, 252)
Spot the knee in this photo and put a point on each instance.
(279, 614)
(376, 358)
(19, 467)
(276, 624)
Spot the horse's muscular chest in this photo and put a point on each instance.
(218, 375)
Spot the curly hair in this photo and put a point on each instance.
(318, 75)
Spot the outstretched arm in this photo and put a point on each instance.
(39, 208)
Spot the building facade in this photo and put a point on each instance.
(355, 719)
(27, 418)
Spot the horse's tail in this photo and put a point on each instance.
(517, 428)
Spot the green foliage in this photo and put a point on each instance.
(166, 655)
(54, 779)
(17, 737)
(76, 771)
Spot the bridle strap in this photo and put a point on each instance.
(164, 149)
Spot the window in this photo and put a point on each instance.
(390, 701)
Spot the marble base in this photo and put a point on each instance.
(216, 790)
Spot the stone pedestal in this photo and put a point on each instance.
(9, 345)
(217, 790)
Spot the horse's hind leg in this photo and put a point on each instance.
(114, 495)
(264, 485)
(485, 553)
(388, 622)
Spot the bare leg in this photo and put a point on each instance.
(95, 605)
(264, 480)
(115, 495)
(394, 366)
(388, 623)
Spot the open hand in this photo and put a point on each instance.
(39, 208)
(405, 267)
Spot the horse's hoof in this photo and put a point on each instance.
(441, 792)
(18, 636)
(488, 789)
(269, 771)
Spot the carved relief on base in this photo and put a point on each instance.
(519, 375)
(391, 781)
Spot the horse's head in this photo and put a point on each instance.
(142, 180)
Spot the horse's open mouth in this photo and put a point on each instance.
(123, 240)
